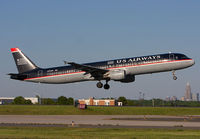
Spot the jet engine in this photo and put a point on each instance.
(121, 76)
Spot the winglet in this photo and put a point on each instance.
(66, 62)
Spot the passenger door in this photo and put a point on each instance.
(171, 56)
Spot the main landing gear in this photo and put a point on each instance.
(99, 85)
(106, 86)
(174, 76)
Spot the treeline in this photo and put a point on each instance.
(62, 100)
(158, 103)
(21, 101)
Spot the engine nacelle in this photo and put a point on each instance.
(121, 76)
(117, 75)
(128, 79)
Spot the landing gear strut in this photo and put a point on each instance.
(107, 86)
(174, 76)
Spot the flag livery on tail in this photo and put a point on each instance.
(22, 62)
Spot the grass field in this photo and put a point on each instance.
(98, 133)
(71, 110)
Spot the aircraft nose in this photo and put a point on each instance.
(192, 62)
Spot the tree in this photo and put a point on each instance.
(130, 103)
(70, 101)
(47, 101)
(123, 100)
(28, 102)
(62, 100)
(21, 101)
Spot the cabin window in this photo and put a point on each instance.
(40, 73)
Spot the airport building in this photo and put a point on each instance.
(98, 102)
(8, 100)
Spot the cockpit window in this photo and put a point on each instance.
(184, 56)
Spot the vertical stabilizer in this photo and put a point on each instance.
(23, 63)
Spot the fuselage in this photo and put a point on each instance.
(132, 66)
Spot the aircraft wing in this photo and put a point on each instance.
(95, 72)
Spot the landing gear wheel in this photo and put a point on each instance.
(99, 85)
(106, 86)
(174, 77)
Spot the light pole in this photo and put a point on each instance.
(39, 97)
(153, 103)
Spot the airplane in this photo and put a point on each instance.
(123, 70)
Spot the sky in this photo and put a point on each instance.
(50, 31)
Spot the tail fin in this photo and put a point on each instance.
(23, 63)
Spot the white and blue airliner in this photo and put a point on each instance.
(123, 69)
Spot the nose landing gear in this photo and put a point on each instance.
(174, 76)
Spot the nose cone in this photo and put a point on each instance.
(192, 62)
